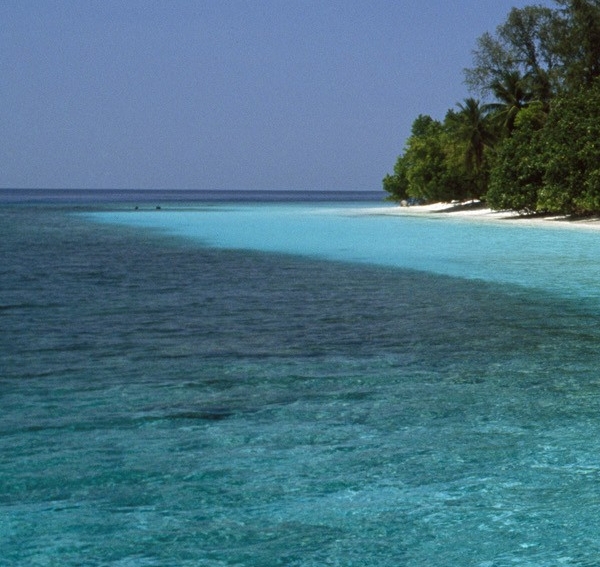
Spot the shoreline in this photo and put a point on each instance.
(474, 210)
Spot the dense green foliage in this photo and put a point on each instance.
(517, 173)
(535, 146)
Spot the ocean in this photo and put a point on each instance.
(242, 379)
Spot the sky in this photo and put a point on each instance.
(226, 94)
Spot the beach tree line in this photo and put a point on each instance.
(531, 141)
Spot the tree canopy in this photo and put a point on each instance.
(531, 142)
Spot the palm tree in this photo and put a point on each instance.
(472, 131)
(474, 127)
(512, 92)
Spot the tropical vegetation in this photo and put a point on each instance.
(531, 141)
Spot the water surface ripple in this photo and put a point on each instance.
(172, 401)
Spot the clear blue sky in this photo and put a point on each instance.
(226, 94)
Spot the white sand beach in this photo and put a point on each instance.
(476, 211)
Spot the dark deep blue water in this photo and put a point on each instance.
(166, 400)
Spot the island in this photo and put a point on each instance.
(531, 144)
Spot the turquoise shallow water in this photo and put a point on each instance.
(502, 251)
(269, 385)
